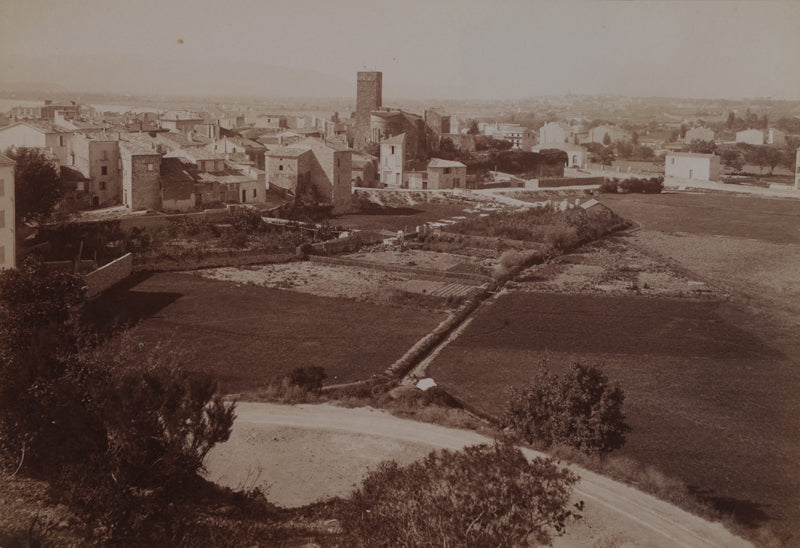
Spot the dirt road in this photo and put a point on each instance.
(309, 452)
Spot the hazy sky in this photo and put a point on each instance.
(433, 48)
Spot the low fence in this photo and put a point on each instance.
(474, 279)
(108, 275)
(569, 181)
(211, 259)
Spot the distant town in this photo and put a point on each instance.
(607, 280)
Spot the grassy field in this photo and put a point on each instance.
(245, 335)
(764, 219)
(708, 402)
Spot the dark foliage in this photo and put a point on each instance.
(653, 185)
(480, 496)
(310, 378)
(116, 429)
(37, 185)
(580, 409)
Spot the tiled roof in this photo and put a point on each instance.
(286, 152)
(138, 143)
(438, 162)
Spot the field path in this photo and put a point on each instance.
(613, 511)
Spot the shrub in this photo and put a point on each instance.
(579, 409)
(309, 378)
(234, 238)
(480, 496)
(608, 186)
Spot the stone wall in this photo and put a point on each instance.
(108, 275)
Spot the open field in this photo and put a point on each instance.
(708, 402)
(707, 352)
(245, 335)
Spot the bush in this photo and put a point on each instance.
(480, 496)
(580, 410)
(608, 186)
(116, 430)
(309, 378)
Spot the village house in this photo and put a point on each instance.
(775, 137)
(602, 134)
(38, 134)
(445, 174)
(555, 133)
(392, 160)
(437, 121)
(312, 171)
(387, 123)
(181, 122)
(750, 137)
(141, 168)
(7, 214)
(685, 165)
(98, 160)
(364, 170)
(47, 111)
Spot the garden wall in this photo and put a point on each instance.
(154, 222)
(569, 181)
(343, 245)
(108, 275)
(211, 259)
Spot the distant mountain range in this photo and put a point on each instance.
(135, 75)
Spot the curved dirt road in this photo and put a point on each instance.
(347, 442)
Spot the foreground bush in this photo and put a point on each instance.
(481, 496)
(118, 431)
(580, 409)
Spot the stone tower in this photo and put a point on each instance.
(368, 98)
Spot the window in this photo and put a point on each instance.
(61, 140)
(673, 161)
(392, 150)
(2, 187)
(102, 185)
(150, 167)
(2, 254)
(447, 171)
(280, 167)
(255, 192)
(2, 218)
(103, 170)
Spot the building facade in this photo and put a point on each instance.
(555, 133)
(369, 97)
(750, 137)
(8, 221)
(98, 159)
(576, 154)
(445, 174)
(392, 161)
(615, 134)
(685, 165)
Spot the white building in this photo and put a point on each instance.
(797, 171)
(555, 133)
(7, 214)
(776, 137)
(615, 134)
(576, 154)
(686, 165)
(392, 160)
(750, 137)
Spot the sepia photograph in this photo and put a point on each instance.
(415, 273)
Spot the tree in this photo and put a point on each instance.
(605, 156)
(480, 496)
(473, 128)
(116, 429)
(732, 159)
(580, 409)
(702, 147)
(37, 185)
(731, 121)
(606, 139)
(772, 157)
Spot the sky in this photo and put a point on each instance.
(426, 49)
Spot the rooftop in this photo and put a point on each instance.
(438, 162)
(138, 143)
(396, 140)
(285, 152)
(692, 155)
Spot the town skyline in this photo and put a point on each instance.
(724, 50)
